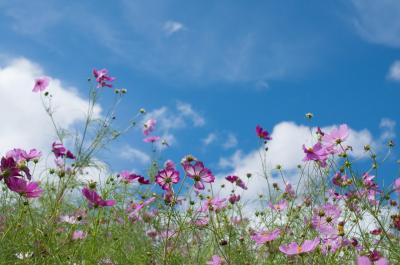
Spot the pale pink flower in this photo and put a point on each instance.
(337, 135)
(280, 206)
(216, 260)
(78, 234)
(214, 204)
(265, 236)
(397, 185)
(294, 249)
(41, 84)
(199, 174)
(149, 126)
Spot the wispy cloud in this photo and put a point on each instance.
(170, 27)
(394, 71)
(211, 137)
(130, 153)
(378, 21)
(230, 141)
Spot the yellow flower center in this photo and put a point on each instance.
(299, 249)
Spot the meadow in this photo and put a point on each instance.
(180, 212)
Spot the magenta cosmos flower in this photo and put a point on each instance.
(59, 150)
(95, 199)
(262, 134)
(166, 177)
(20, 155)
(215, 260)
(199, 174)
(238, 181)
(262, 237)
(151, 139)
(316, 153)
(41, 84)
(149, 126)
(102, 78)
(364, 260)
(337, 135)
(24, 188)
(294, 249)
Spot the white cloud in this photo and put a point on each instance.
(394, 71)
(230, 141)
(388, 129)
(25, 123)
(286, 150)
(211, 137)
(170, 27)
(131, 153)
(378, 21)
(169, 120)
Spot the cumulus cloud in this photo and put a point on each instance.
(26, 124)
(170, 27)
(394, 71)
(378, 21)
(286, 150)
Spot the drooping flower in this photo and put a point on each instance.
(238, 181)
(294, 249)
(262, 134)
(24, 188)
(102, 78)
(78, 235)
(149, 126)
(233, 198)
(336, 136)
(8, 168)
(166, 177)
(340, 180)
(41, 84)
(94, 198)
(265, 236)
(216, 260)
(199, 174)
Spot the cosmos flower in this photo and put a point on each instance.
(294, 249)
(102, 78)
(316, 153)
(41, 84)
(325, 218)
(24, 188)
(280, 206)
(59, 150)
(199, 174)
(95, 199)
(78, 235)
(215, 260)
(265, 236)
(166, 177)
(128, 177)
(149, 126)
(397, 185)
(262, 134)
(151, 139)
(215, 204)
(336, 136)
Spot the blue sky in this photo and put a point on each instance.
(235, 63)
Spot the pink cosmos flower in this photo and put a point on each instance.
(289, 190)
(151, 139)
(8, 167)
(340, 180)
(169, 164)
(232, 179)
(262, 134)
(20, 155)
(136, 207)
(201, 222)
(337, 135)
(102, 78)
(95, 199)
(128, 177)
(214, 204)
(233, 198)
(41, 84)
(364, 260)
(262, 237)
(316, 153)
(24, 188)
(166, 177)
(397, 185)
(325, 218)
(238, 181)
(331, 244)
(199, 174)
(215, 260)
(280, 206)
(149, 126)
(59, 150)
(78, 235)
(294, 249)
